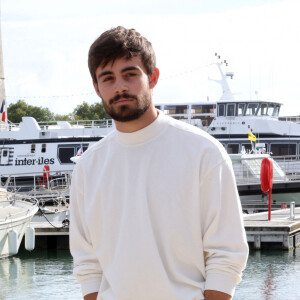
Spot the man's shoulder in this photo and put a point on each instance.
(196, 137)
(98, 146)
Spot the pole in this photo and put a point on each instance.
(270, 205)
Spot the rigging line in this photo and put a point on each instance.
(64, 224)
(93, 93)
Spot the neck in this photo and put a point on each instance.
(146, 119)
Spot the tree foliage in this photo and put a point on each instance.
(94, 111)
(15, 112)
(84, 111)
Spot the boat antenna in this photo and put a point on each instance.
(3, 116)
(226, 92)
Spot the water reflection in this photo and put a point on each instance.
(271, 275)
(38, 275)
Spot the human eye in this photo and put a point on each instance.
(130, 75)
(107, 78)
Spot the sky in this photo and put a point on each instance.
(45, 45)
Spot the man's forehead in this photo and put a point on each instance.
(121, 63)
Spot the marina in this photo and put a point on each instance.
(281, 232)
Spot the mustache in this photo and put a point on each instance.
(119, 96)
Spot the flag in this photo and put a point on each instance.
(2, 111)
(251, 136)
(79, 152)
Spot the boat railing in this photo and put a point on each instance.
(36, 184)
(290, 164)
(104, 123)
(247, 170)
(295, 119)
(12, 199)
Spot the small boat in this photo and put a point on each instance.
(16, 212)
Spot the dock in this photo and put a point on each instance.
(282, 232)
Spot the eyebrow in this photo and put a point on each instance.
(131, 68)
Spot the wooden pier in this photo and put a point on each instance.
(282, 232)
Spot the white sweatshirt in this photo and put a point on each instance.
(155, 215)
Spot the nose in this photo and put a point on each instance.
(120, 86)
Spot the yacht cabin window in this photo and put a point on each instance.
(251, 109)
(233, 148)
(273, 110)
(32, 148)
(247, 147)
(230, 110)
(283, 149)
(221, 110)
(263, 109)
(175, 109)
(4, 153)
(43, 148)
(203, 109)
(241, 109)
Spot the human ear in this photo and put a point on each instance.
(154, 78)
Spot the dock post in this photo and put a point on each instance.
(257, 242)
(292, 210)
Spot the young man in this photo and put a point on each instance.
(155, 213)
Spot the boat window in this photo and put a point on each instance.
(43, 148)
(273, 110)
(241, 109)
(221, 110)
(230, 110)
(33, 148)
(233, 148)
(65, 153)
(247, 147)
(158, 107)
(175, 109)
(283, 149)
(263, 109)
(4, 153)
(251, 109)
(203, 109)
(205, 120)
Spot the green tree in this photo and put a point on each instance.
(94, 111)
(68, 117)
(15, 112)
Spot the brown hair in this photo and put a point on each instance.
(117, 43)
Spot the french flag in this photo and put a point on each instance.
(2, 111)
(79, 152)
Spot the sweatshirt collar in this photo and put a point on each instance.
(143, 135)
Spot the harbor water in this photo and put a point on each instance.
(47, 274)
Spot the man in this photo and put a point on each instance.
(155, 213)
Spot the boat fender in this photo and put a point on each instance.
(29, 238)
(13, 242)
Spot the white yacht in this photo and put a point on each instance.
(31, 147)
(15, 217)
(231, 120)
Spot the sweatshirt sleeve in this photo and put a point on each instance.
(224, 239)
(87, 269)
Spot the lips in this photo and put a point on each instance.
(123, 100)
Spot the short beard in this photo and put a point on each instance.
(126, 113)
